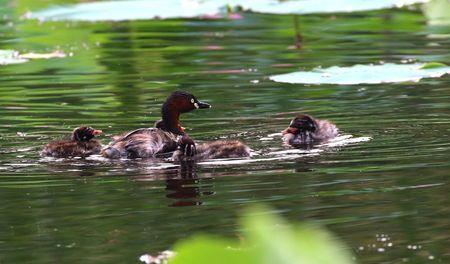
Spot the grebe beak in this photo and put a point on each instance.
(201, 105)
(96, 132)
(289, 130)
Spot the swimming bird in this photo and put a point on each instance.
(219, 149)
(167, 135)
(81, 144)
(305, 130)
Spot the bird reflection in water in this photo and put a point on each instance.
(186, 188)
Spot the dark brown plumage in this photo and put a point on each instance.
(304, 129)
(141, 143)
(166, 136)
(219, 149)
(81, 144)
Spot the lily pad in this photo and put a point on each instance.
(365, 74)
(14, 57)
(130, 10)
(432, 65)
(437, 12)
(144, 9)
(10, 57)
(322, 6)
(34, 56)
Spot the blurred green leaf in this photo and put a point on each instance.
(267, 239)
(208, 249)
(275, 241)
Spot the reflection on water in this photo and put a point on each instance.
(389, 189)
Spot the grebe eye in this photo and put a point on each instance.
(192, 100)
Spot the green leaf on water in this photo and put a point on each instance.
(437, 12)
(432, 65)
(10, 57)
(365, 74)
(13, 57)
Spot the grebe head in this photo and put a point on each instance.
(83, 134)
(184, 102)
(300, 124)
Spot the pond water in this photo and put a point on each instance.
(384, 197)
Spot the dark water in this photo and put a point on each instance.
(392, 189)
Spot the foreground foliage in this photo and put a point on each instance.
(266, 239)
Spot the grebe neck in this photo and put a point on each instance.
(171, 119)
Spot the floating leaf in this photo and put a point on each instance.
(437, 12)
(321, 6)
(368, 74)
(10, 57)
(130, 10)
(432, 65)
(32, 55)
(13, 57)
(143, 9)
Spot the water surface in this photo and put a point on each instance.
(391, 189)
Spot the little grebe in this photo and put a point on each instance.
(82, 144)
(304, 129)
(219, 149)
(166, 136)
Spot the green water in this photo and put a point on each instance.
(392, 189)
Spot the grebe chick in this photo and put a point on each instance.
(305, 130)
(167, 136)
(219, 149)
(81, 144)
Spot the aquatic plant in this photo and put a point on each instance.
(266, 238)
